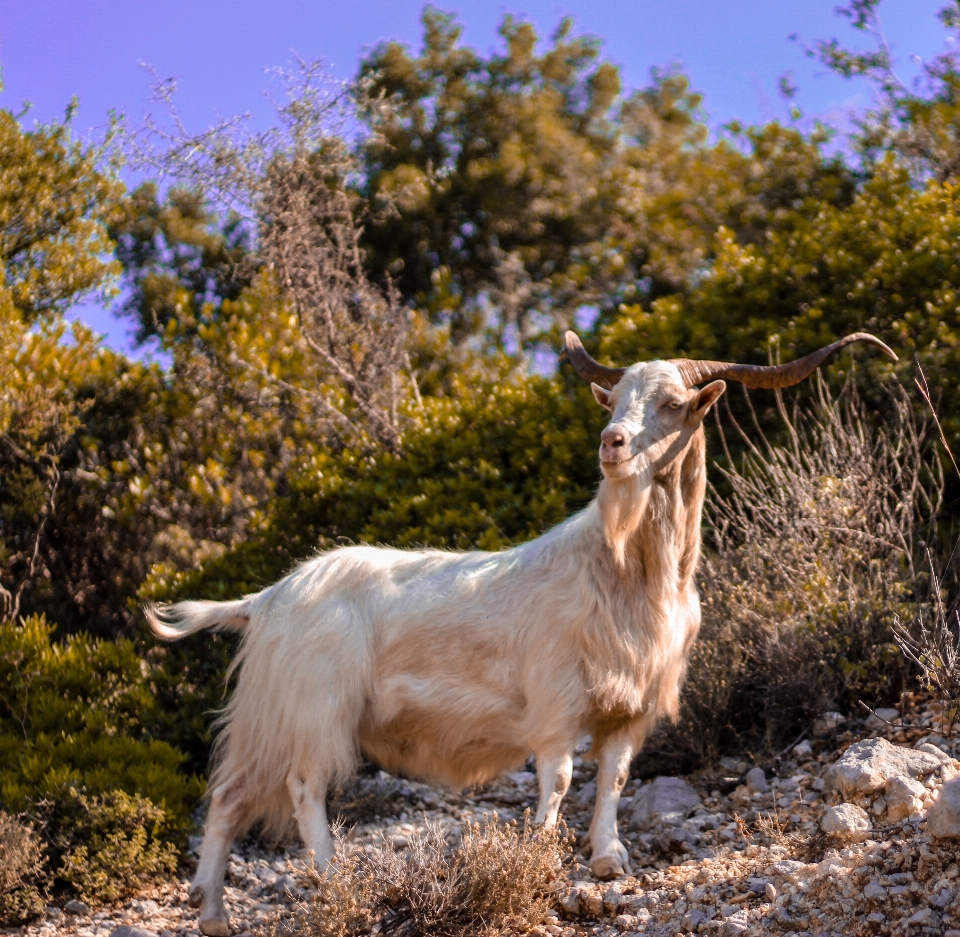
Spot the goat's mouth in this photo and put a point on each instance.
(619, 468)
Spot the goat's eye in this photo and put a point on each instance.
(675, 404)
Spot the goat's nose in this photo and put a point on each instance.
(613, 437)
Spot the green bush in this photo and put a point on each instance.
(113, 845)
(78, 714)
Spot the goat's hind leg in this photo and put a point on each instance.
(553, 773)
(228, 814)
(308, 791)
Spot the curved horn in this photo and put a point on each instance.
(778, 375)
(585, 366)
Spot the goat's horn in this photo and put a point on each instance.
(585, 366)
(777, 375)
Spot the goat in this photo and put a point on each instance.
(454, 667)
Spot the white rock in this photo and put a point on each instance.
(865, 767)
(803, 750)
(904, 796)
(757, 781)
(938, 753)
(847, 821)
(874, 891)
(664, 798)
(943, 818)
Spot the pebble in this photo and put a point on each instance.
(662, 798)
(943, 818)
(124, 930)
(847, 821)
(756, 780)
(74, 906)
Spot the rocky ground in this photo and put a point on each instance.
(846, 833)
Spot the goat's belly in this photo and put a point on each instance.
(458, 741)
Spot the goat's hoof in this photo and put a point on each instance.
(606, 867)
(214, 927)
(195, 898)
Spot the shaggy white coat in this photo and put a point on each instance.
(457, 666)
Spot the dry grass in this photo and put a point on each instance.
(21, 871)
(498, 878)
(817, 546)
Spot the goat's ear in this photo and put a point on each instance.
(602, 396)
(705, 399)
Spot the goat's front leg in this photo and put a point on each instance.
(553, 773)
(608, 856)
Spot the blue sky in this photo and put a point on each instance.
(733, 50)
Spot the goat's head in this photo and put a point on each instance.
(656, 406)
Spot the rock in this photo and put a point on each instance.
(770, 891)
(570, 902)
(878, 806)
(586, 795)
(76, 907)
(876, 722)
(662, 798)
(693, 919)
(848, 822)
(736, 924)
(611, 900)
(874, 891)
(921, 917)
(757, 781)
(943, 818)
(591, 904)
(904, 796)
(125, 930)
(876, 918)
(625, 922)
(803, 750)
(790, 869)
(286, 885)
(943, 757)
(865, 767)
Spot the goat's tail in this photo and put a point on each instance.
(172, 622)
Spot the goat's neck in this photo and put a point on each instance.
(651, 523)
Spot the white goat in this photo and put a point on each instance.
(456, 666)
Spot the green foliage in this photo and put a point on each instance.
(175, 257)
(492, 464)
(78, 714)
(114, 847)
(55, 205)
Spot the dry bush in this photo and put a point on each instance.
(817, 547)
(498, 878)
(290, 185)
(21, 870)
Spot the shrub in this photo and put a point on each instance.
(499, 878)
(113, 845)
(77, 714)
(21, 870)
(817, 549)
